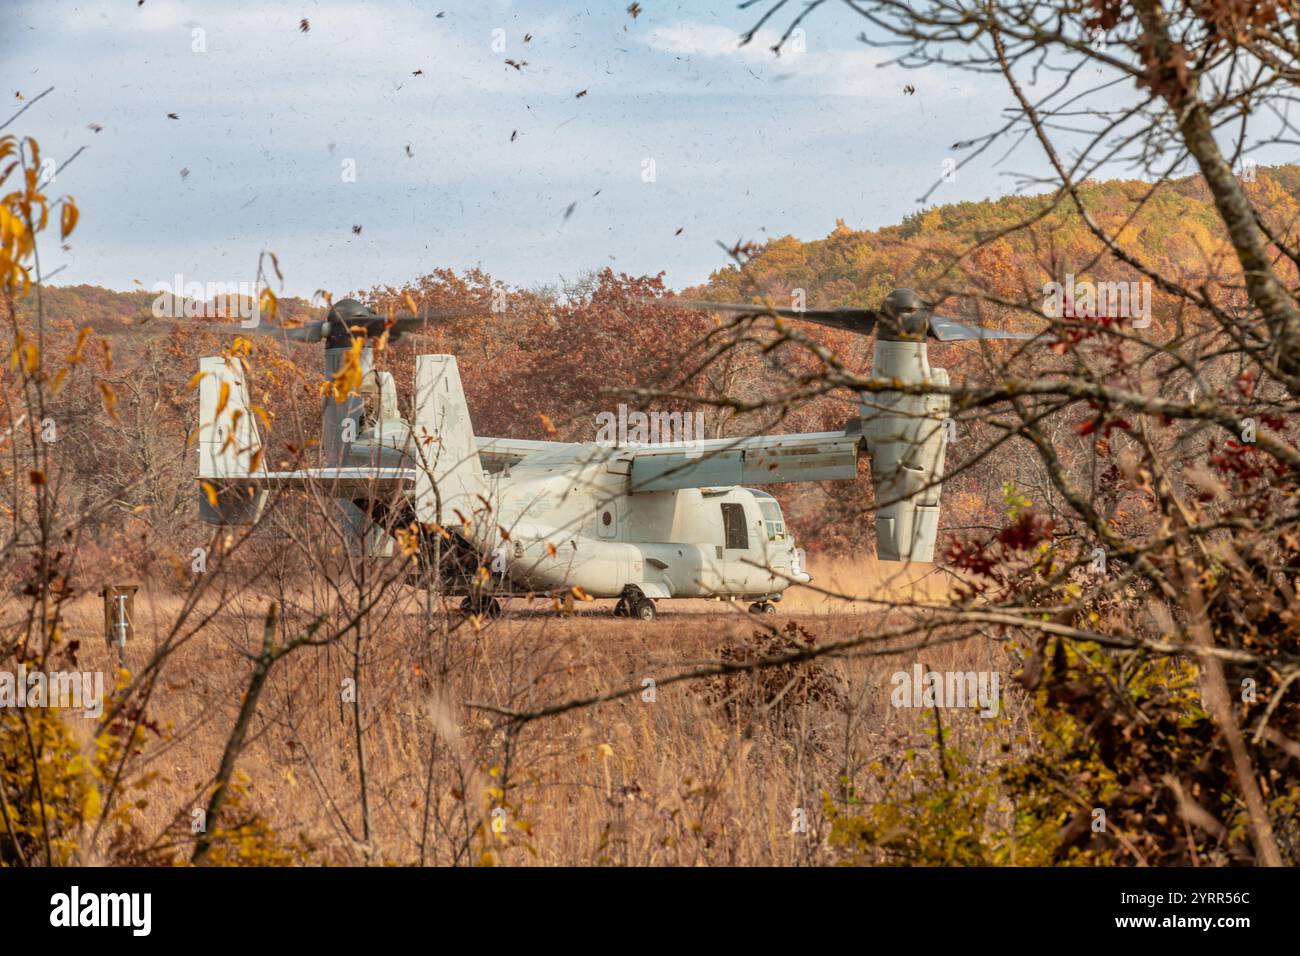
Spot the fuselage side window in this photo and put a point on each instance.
(733, 526)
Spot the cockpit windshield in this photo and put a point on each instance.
(772, 521)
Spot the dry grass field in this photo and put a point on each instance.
(708, 771)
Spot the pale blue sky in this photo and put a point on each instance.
(744, 145)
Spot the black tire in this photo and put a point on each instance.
(644, 610)
(766, 608)
(621, 609)
(756, 608)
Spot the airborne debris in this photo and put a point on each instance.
(518, 66)
(304, 25)
(634, 10)
(580, 94)
(569, 212)
(356, 230)
(172, 116)
(513, 134)
(909, 89)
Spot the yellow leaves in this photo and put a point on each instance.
(109, 398)
(580, 594)
(223, 399)
(68, 217)
(91, 805)
(78, 354)
(550, 549)
(347, 380)
(194, 381)
(437, 529)
(25, 355)
(23, 213)
(267, 301)
(209, 492)
(408, 541)
(547, 425)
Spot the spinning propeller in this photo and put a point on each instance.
(346, 318)
(904, 317)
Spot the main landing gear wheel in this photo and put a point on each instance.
(762, 607)
(644, 610)
(483, 607)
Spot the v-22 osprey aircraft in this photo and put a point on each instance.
(639, 523)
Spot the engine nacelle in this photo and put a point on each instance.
(907, 438)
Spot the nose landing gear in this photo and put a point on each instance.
(762, 607)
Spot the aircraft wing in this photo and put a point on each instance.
(334, 482)
(758, 460)
(498, 453)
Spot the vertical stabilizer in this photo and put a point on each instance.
(450, 488)
(228, 442)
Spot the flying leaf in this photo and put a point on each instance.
(110, 399)
(68, 218)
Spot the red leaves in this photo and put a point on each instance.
(1245, 463)
(1026, 532)
(1104, 424)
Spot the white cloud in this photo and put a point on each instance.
(801, 68)
(703, 39)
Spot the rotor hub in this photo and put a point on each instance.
(904, 317)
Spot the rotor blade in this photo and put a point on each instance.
(950, 330)
(860, 321)
(311, 332)
(399, 325)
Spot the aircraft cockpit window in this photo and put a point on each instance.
(773, 523)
